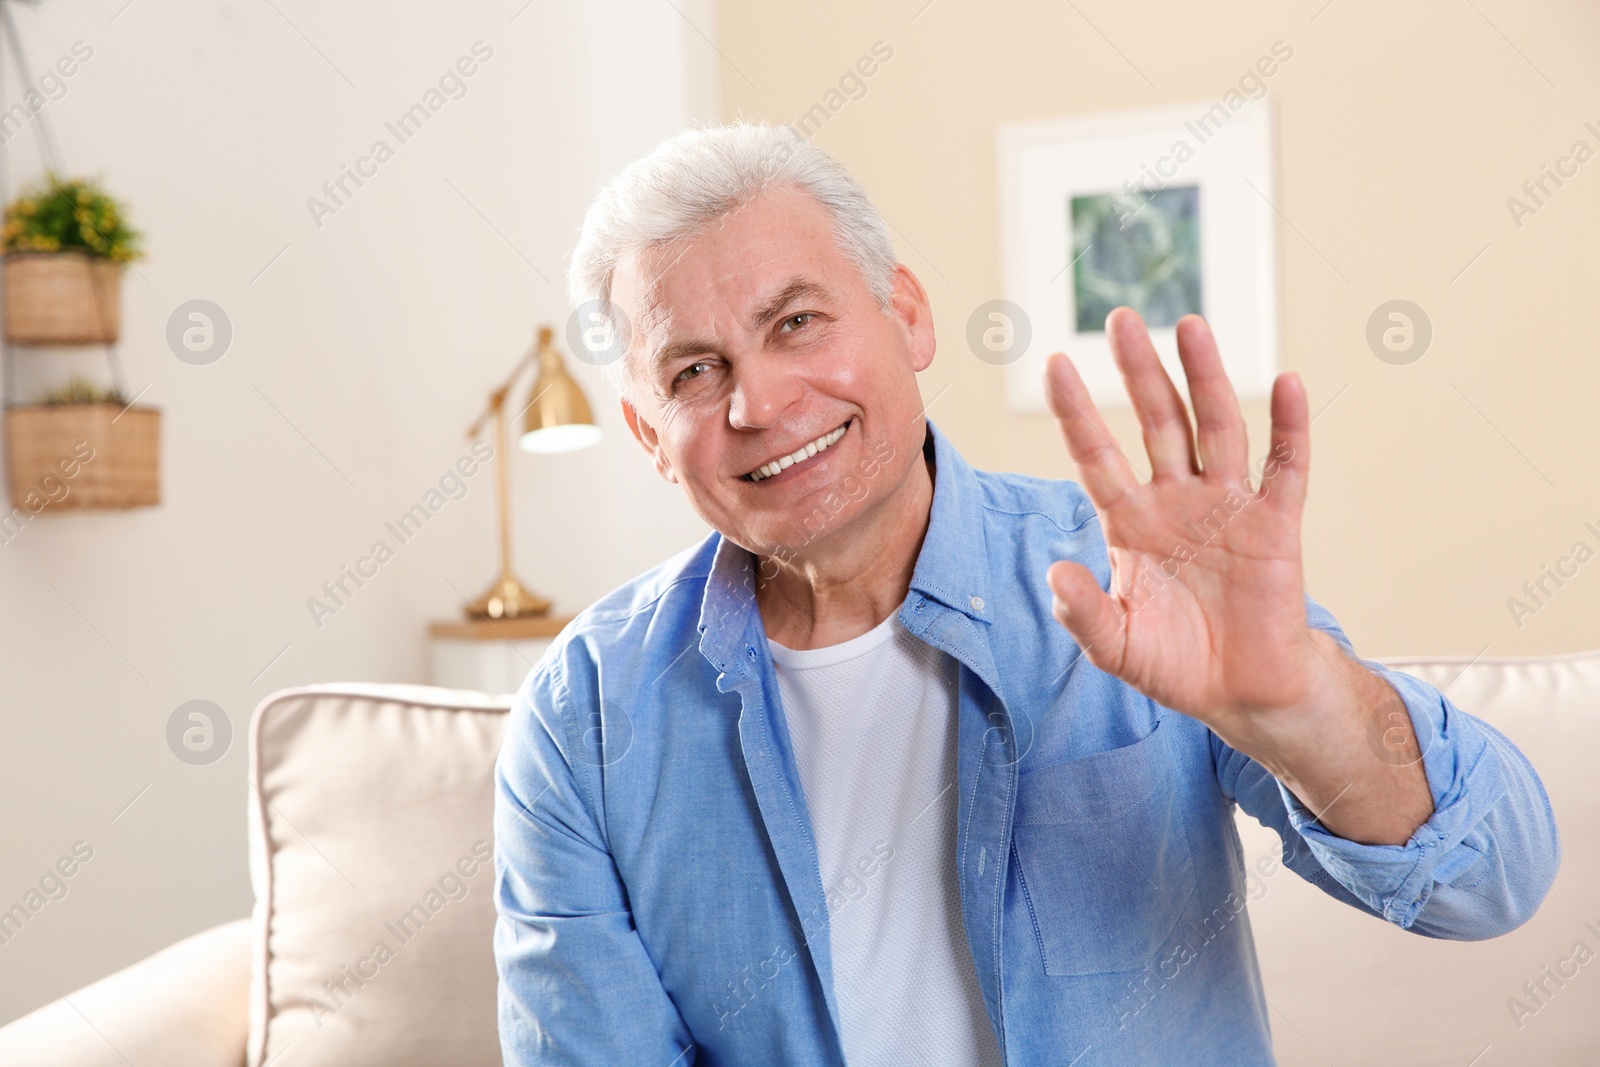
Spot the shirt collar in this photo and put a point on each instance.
(952, 565)
(728, 609)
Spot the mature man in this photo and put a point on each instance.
(909, 763)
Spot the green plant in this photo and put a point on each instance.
(81, 390)
(69, 214)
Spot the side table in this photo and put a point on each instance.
(492, 655)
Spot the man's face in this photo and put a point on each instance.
(758, 338)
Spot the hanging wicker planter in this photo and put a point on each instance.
(83, 456)
(61, 298)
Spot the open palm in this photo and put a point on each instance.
(1206, 610)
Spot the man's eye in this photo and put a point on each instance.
(795, 322)
(692, 371)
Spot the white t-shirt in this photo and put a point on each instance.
(873, 721)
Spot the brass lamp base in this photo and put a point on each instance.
(507, 599)
(558, 419)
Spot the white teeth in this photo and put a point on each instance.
(767, 470)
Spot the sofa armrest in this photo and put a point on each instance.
(185, 1006)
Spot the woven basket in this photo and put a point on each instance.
(61, 298)
(83, 456)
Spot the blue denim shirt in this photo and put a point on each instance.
(658, 889)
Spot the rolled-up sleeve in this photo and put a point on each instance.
(1481, 864)
(577, 985)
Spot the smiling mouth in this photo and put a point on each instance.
(798, 456)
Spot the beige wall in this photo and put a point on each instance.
(1402, 131)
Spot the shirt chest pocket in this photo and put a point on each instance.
(1104, 857)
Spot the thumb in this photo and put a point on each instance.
(1086, 611)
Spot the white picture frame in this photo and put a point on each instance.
(1138, 157)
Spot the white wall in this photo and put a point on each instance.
(359, 357)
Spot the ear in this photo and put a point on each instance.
(909, 305)
(646, 435)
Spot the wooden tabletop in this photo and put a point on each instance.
(528, 626)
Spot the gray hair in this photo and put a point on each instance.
(696, 177)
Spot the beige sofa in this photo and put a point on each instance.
(369, 822)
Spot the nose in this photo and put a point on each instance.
(763, 389)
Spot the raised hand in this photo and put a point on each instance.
(1206, 610)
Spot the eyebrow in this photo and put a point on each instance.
(677, 350)
(795, 289)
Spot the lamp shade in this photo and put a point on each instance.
(558, 418)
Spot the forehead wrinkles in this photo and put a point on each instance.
(656, 316)
(656, 313)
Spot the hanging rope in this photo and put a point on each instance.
(49, 152)
(50, 156)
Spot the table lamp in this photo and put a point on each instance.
(556, 418)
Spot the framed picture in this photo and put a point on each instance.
(1169, 211)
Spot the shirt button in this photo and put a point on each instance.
(977, 603)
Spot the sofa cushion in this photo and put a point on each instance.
(371, 856)
(1345, 987)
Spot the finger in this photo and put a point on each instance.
(1220, 433)
(1089, 615)
(1288, 465)
(1155, 399)
(1105, 471)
